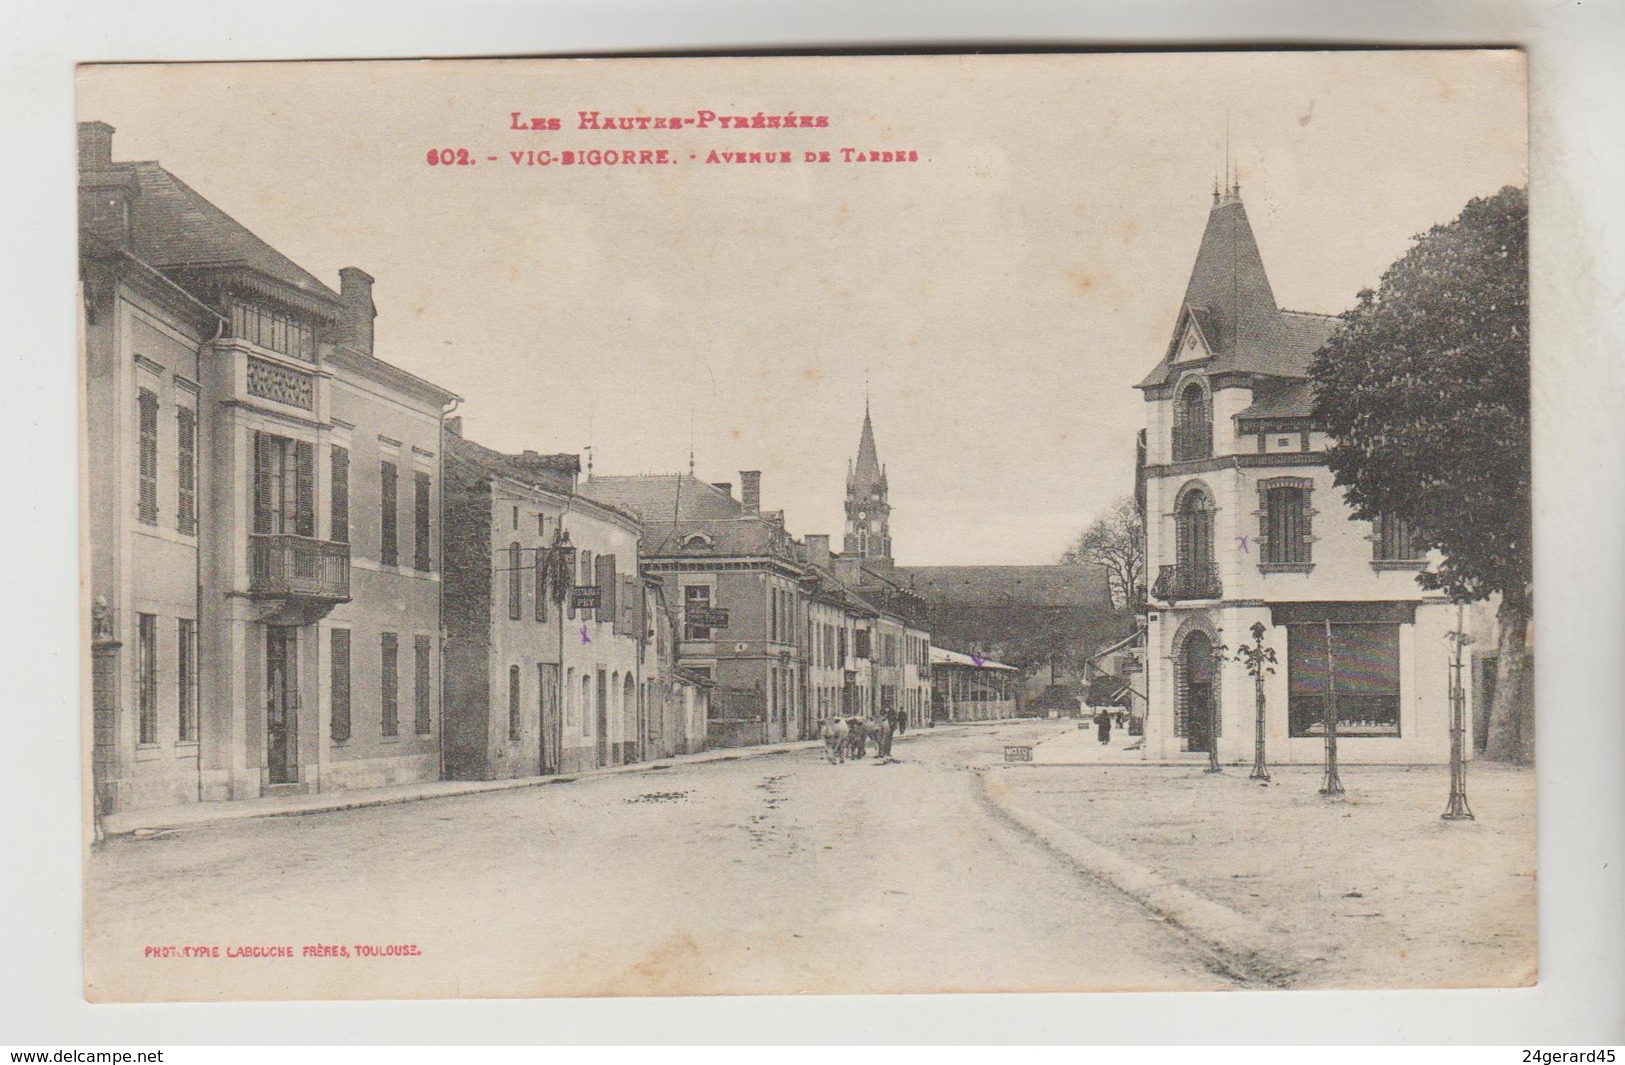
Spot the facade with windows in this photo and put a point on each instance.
(1244, 525)
(262, 619)
(734, 577)
(537, 682)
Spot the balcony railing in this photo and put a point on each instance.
(283, 566)
(1177, 583)
(1193, 441)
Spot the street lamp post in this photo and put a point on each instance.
(1260, 661)
(1457, 808)
(1331, 785)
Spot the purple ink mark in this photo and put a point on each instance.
(584, 637)
(978, 659)
(1241, 541)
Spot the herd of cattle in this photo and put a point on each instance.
(848, 737)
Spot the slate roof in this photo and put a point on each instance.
(1230, 299)
(750, 536)
(1280, 401)
(552, 472)
(656, 497)
(174, 227)
(1047, 586)
(867, 474)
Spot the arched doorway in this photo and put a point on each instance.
(1198, 691)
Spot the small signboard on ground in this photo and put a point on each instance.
(1018, 754)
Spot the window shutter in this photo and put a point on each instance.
(340, 684)
(263, 442)
(186, 462)
(420, 521)
(389, 514)
(340, 495)
(606, 590)
(304, 464)
(541, 567)
(147, 417)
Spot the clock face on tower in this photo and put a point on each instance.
(862, 514)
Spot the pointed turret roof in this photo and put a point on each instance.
(867, 473)
(1229, 302)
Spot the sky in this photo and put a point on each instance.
(997, 299)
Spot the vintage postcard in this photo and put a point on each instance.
(495, 585)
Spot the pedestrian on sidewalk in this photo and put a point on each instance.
(1103, 726)
(902, 722)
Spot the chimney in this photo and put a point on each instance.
(818, 548)
(725, 487)
(454, 425)
(95, 145)
(355, 289)
(750, 490)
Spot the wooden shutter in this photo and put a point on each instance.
(147, 417)
(422, 650)
(340, 495)
(263, 443)
(541, 567)
(420, 521)
(339, 684)
(304, 483)
(389, 514)
(186, 463)
(606, 590)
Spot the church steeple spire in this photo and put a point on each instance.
(868, 514)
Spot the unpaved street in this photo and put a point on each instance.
(774, 875)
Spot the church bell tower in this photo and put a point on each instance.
(868, 514)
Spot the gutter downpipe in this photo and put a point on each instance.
(440, 587)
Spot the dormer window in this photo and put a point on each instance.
(696, 541)
(1193, 423)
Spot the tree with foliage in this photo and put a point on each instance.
(1425, 388)
(1116, 541)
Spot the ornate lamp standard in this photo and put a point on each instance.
(1457, 809)
(1331, 786)
(1260, 661)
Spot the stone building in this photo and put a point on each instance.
(536, 680)
(262, 515)
(1244, 525)
(734, 575)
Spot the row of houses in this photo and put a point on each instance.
(302, 576)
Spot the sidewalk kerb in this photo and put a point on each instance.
(197, 815)
(1245, 947)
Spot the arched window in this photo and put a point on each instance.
(1196, 575)
(1193, 423)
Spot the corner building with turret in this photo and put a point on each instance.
(1245, 526)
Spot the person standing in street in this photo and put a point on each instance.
(1103, 726)
(883, 735)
